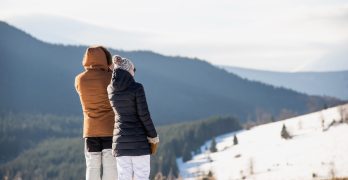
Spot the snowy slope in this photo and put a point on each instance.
(311, 152)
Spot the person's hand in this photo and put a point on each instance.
(154, 148)
(153, 144)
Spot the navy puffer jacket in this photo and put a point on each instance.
(133, 123)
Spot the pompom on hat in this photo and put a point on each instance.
(122, 63)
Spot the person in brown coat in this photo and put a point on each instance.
(98, 115)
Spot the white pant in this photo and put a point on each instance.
(137, 165)
(94, 161)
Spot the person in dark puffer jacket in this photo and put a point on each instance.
(135, 136)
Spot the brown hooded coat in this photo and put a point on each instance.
(91, 86)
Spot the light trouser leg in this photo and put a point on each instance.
(93, 164)
(141, 167)
(109, 165)
(124, 167)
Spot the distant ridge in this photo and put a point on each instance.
(332, 83)
(39, 77)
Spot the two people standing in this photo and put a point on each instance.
(118, 130)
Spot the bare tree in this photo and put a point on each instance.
(299, 124)
(322, 120)
(332, 171)
(286, 114)
(343, 111)
(159, 176)
(262, 116)
(251, 166)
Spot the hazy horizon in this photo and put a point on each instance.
(286, 36)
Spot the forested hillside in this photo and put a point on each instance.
(51, 147)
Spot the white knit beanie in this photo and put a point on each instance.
(123, 63)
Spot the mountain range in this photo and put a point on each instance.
(68, 30)
(49, 28)
(38, 77)
(331, 83)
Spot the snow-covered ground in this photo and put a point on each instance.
(312, 153)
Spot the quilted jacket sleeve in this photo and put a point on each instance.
(143, 112)
(113, 78)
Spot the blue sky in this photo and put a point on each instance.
(280, 35)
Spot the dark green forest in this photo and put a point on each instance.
(51, 147)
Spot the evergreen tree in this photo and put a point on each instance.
(187, 155)
(284, 133)
(210, 174)
(213, 146)
(235, 140)
(325, 106)
(273, 119)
